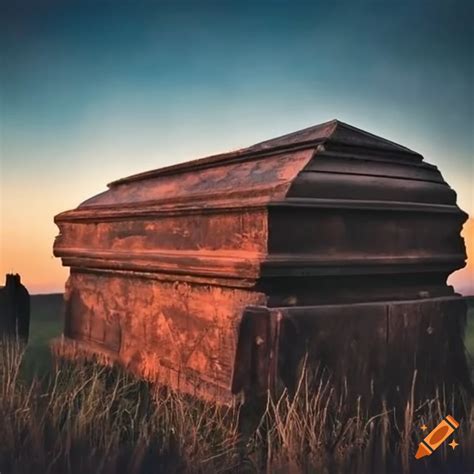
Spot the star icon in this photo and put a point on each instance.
(424, 427)
(453, 444)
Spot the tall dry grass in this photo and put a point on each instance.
(86, 418)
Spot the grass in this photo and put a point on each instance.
(46, 323)
(469, 341)
(83, 417)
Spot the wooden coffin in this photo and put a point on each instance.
(217, 275)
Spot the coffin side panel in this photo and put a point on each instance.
(344, 236)
(215, 244)
(183, 335)
(210, 232)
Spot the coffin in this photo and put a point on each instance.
(217, 276)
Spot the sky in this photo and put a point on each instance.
(95, 91)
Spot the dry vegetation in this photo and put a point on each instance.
(84, 418)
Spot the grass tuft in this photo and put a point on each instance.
(84, 417)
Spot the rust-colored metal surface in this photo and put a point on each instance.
(176, 272)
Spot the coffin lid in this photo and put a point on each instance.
(262, 212)
(258, 175)
(333, 132)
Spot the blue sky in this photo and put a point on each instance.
(94, 91)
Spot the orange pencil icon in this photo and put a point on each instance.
(435, 438)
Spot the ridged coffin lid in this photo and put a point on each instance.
(255, 175)
(334, 133)
(306, 203)
(272, 171)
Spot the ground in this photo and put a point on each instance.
(82, 416)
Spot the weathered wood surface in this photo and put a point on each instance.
(165, 263)
(14, 309)
(374, 348)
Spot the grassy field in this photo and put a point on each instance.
(469, 341)
(82, 417)
(46, 323)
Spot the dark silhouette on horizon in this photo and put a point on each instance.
(14, 308)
